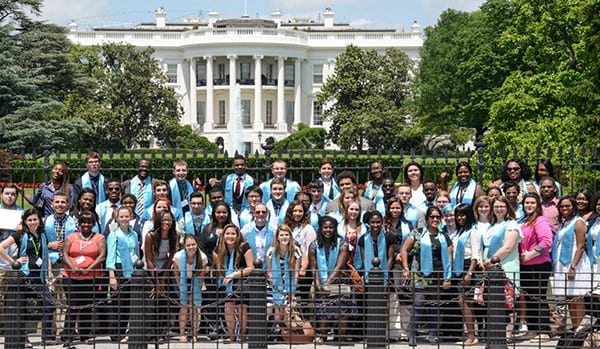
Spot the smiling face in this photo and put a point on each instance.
(123, 217)
(161, 191)
(239, 166)
(375, 224)
(180, 172)
(547, 189)
(221, 214)
(144, 169)
(284, 237)
(483, 211)
(345, 183)
(167, 222)
(463, 174)
(279, 169)
(298, 213)
(260, 214)
(32, 222)
(414, 174)
(161, 206)
(59, 204)
(461, 219)
(328, 230)
(529, 206)
(191, 246)
(58, 171)
(500, 210)
(376, 171)
(513, 169)
(353, 211)
(277, 192)
(86, 201)
(583, 204)
(230, 237)
(395, 209)
(326, 171)
(566, 209)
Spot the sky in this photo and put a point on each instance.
(391, 14)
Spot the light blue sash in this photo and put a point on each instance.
(370, 253)
(183, 282)
(497, 239)
(568, 237)
(327, 266)
(282, 285)
(459, 252)
(426, 257)
(176, 198)
(86, 182)
(70, 228)
(469, 193)
(230, 263)
(44, 257)
(251, 239)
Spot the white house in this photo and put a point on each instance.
(279, 66)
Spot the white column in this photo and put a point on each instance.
(232, 78)
(258, 122)
(210, 118)
(193, 93)
(297, 91)
(281, 125)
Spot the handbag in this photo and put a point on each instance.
(509, 294)
(295, 329)
(355, 278)
(39, 203)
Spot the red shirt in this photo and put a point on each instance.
(82, 254)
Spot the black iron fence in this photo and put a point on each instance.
(574, 168)
(389, 311)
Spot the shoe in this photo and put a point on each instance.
(412, 341)
(521, 330)
(543, 337)
(432, 340)
(469, 342)
(50, 341)
(28, 344)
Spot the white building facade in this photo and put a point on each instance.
(278, 65)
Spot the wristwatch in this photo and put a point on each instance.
(538, 249)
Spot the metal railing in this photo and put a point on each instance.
(139, 314)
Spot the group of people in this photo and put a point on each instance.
(79, 243)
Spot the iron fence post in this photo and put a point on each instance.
(376, 307)
(139, 322)
(257, 307)
(496, 314)
(14, 327)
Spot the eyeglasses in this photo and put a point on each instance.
(513, 169)
(113, 188)
(435, 217)
(260, 212)
(253, 196)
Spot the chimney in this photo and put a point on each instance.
(161, 17)
(328, 18)
(212, 18)
(277, 17)
(73, 26)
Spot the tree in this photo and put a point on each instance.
(305, 138)
(462, 67)
(554, 100)
(133, 104)
(16, 10)
(365, 98)
(183, 137)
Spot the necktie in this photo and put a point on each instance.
(114, 211)
(140, 200)
(238, 186)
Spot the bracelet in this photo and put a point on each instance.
(572, 267)
(470, 274)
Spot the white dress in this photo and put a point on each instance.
(594, 232)
(578, 287)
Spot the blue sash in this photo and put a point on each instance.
(125, 250)
(134, 185)
(589, 244)
(326, 266)
(459, 253)
(370, 253)
(282, 285)
(52, 237)
(176, 198)
(44, 257)
(426, 257)
(568, 238)
(251, 239)
(86, 182)
(411, 214)
(183, 282)
(497, 239)
(468, 196)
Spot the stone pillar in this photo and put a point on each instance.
(258, 122)
(281, 124)
(193, 93)
(232, 82)
(297, 91)
(210, 118)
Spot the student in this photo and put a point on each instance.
(92, 178)
(107, 209)
(195, 219)
(277, 204)
(141, 187)
(59, 183)
(279, 170)
(180, 187)
(235, 184)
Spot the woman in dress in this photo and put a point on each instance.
(284, 260)
(571, 264)
(583, 198)
(328, 255)
(84, 253)
(233, 261)
(536, 268)
(159, 248)
(190, 266)
(593, 248)
(431, 272)
(501, 240)
(351, 227)
(375, 242)
(304, 234)
(467, 254)
(122, 251)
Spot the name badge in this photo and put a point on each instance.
(38, 262)
(80, 260)
(184, 203)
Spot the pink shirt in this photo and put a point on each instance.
(538, 234)
(550, 211)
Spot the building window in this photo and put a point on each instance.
(201, 112)
(201, 74)
(246, 112)
(317, 112)
(172, 73)
(221, 113)
(221, 74)
(269, 113)
(246, 148)
(318, 74)
(289, 112)
(289, 75)
(245, 72)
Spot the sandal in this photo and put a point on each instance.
(182, 339)
(319, 341)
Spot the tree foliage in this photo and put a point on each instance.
(365, 98)
(305, 138)
(183, 137)
(132, 104)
